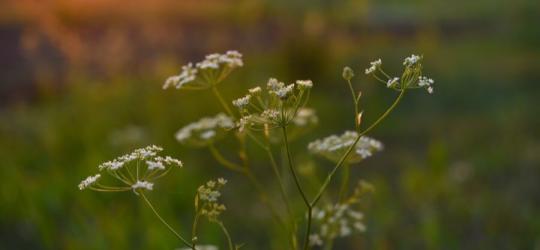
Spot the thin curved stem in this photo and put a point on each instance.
(299, 187)
(194, 228)
(344, 182)
(226, 163)
(222, 101)
(349, 150)
(341, 161)
(227, 235)
(291, 166)
(165, 223)
(355, 100)
(264, 197)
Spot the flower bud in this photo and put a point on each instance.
(348, 73)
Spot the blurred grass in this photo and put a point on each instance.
(459, 170)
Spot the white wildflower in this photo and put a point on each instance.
(392, 82)
(242, 101)
(333, 147)
(211, 61)
(187, 75)
(270, 114)
(306, 84)
(411, 60)
(232, 58)
(273, 84)
(205, 131)
(304, 117)
(89, 181)
(315, 240)
(208, 134)
(209, 194)
(244, 121)
(112, 165)
(424, 81)
(255, 91)
(374, 65)
(171, 161)
(284, 92)
(155, 165)
(143, 184)
(200, 247)
(339, 220)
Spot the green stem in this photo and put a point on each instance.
(222, 101)
(194, 229)
(165, 223)
(349, 150)
(344, 182)
(227, 235)
(355, 100)
(221, 159)
(298, 186)
(291, 166)
(264, 197)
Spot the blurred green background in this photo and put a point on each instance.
(80, 83)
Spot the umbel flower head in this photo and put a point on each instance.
(205, 131)
(339, 220)
(134, 171)
(411, 78)
(277, 106)
(206, 73)
(304, 122)
(207, 199)
(201, 247)
(334, 146)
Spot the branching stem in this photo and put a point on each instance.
(165, 223)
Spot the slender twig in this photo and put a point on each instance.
(226, 163)
(298, 186)
(349, 150)
(227, 235)
(355, 100)
(344, 182)
(291, 166)
(222, 101)
(267, 148)
(165, 223)
(264, 197)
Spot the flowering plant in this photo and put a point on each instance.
(268, 115)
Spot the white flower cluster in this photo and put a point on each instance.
(231, 59)
(143, 184)
(334, 146)
(305, 117)
(263, 109)
(304, 83)
(411, 60)
(411, 78)
(242, 102)
(392, 82)
(374, 65)
(208, 195)
(426, 82)
(137, 154)
(89, 181)
(188, 74)
(334, 221)
(121, 169)
(205, 131)
(224, 63)
(200, 247)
